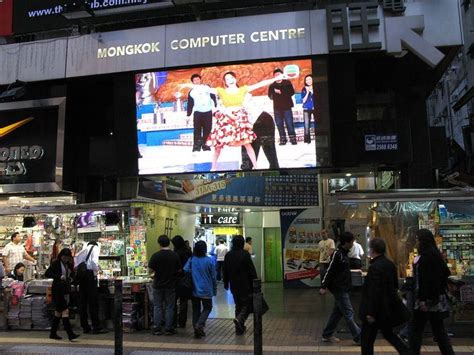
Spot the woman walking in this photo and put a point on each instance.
(431, 275)
(61, 271)
(203, 273)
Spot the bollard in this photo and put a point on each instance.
(118, 326)
(257, 317)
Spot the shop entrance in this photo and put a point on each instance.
(211, 235)
(273, 267)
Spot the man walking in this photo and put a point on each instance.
(326, 248)
(338, 281)
(281, 92)
(221, 251)
(88, 288)
(240, 272)
(380, 287)
(166, 265)
(200, 101)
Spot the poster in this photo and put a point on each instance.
(300, 231)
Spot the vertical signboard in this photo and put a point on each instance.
(6, 17)
(300, 233)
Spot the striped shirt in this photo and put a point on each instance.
(15, 253)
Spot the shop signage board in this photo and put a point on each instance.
(220, 219)
(6, 17)
(376, 142)
(300, 232)
(289, 190)
(31, 145)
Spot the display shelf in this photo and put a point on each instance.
(110, 256)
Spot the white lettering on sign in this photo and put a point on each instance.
(237, 38)
(227, 220)
(131, 49)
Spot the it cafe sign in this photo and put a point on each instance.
(220, 219)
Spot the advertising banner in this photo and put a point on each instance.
(45, 15)
(31, 146)
(6, 17)
(300, 232)
(290, 190)
(229, 118)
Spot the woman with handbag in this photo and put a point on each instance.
(203, 272)
(61, 271)
(431, 304)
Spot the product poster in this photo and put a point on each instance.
(300, 231)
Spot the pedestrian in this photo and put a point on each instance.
(61, 271)
(355, 256)
(338, 281)
(220, 251)
(281, 93)
(88, 289)
(203, 272)
(326, 248)
(248, 245)
(14, 253)
(239, 273)
(379, 292)
(166, 267)
(431, 304)
(182, 297)
(18, 272)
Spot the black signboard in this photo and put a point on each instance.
(220, 219)
(31, 145)
(44, 15)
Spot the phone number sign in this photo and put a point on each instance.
(374, 142)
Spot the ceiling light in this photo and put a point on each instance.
(348, 174)
(247, 210)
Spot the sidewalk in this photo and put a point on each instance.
(292, 326)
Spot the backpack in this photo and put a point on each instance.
(81, 269)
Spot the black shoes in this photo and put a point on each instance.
(54, 336)
(239, 327)
(99, 331)
(170, 331)
(199, 332)
(157, 331)
(206, 148)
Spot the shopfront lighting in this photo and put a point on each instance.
(348, 174)
(247, 210)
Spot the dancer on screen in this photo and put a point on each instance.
(232, 125)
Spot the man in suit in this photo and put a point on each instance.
(380, 287)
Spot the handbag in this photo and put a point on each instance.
(399, 313)
(265, 306)
(184, 287)
(81, 270)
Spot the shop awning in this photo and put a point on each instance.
(404, 195)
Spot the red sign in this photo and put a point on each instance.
(305, 274)
(6, 17)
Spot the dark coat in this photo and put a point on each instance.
(338, 275)
(239, 272)
(60, 288)
(431, 275)
(379, 290)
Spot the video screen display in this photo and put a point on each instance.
(235, 117)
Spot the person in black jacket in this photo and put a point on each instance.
(380, 288)
(181, 306)
(338, 280)
(431, 277)
(239, 272)
(61, 271)
(200, 101)
(281, 92)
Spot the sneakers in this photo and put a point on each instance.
(157, 331)
(170, 331)
(331, 339)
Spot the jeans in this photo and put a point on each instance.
(163, 305)
(342, 308)
(202, 307)
(369, 333)
(437, 326)
(219, 270)
(180, 312)
(89, 301)
(202, 127)
(307, 121)
(282, 118)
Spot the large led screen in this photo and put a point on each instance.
(228, 118)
